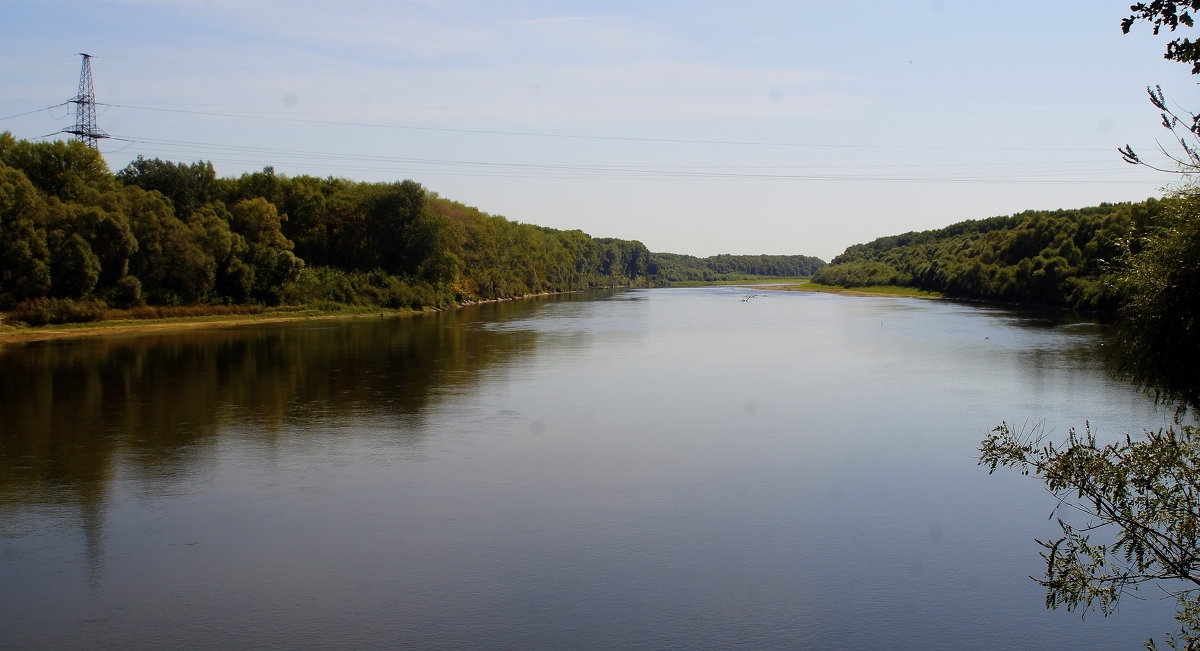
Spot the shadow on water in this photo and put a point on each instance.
(72, 411)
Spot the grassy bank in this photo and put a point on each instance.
(873, 290)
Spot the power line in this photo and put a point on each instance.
(44, 108)
(459, 167)
(535, 134)
(634, 168)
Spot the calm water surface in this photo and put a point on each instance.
(645, 469)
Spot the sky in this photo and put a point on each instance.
(756, 126)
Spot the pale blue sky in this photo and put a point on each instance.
(695, 127)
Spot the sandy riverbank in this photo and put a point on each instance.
(24, 335)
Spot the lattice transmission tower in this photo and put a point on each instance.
(85, 129)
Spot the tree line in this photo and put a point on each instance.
(1059, 257)
(676, 267)
(76, 240)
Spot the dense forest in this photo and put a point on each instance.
(77, 240)
(1059, 257)
(675, 267)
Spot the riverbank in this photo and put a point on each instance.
(32, 334)
(23, 334)
(877, 290)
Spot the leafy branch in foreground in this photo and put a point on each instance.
(1172, 14)
(1185, 129)
(1142, 494)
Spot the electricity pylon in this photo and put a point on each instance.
(85, 129)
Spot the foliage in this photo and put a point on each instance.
(1051, 257)
(67, 170)
(24, 254)
(674, 267)
(126, 293)
(77, 269)
(1146, 493)
(326, 287)
(167, 233)
(42, 311)
(1159, 334)
(185, 311)
(187, 187)
(1170, 14)
(501, 258)
(1184, 128)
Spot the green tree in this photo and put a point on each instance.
(75, 268)
(1159, 332)
(259, 222)
(267, 261)
(24, 254)
(106, 232)
(395, 241)
(167, 233)
(171, 266)
(187, 186)
(221, 251)
(67, 170)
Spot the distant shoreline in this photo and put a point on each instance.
(38, 334)
(887, 292)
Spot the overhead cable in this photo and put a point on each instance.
(535, 134)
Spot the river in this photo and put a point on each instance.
(666, 468)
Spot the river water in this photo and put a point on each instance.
(660, 468)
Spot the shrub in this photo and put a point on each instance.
(128, 292)
(42, 311)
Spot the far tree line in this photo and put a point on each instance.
(76, 239)
(1054, 257)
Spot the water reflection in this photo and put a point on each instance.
(654, 468)
(70, 410)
